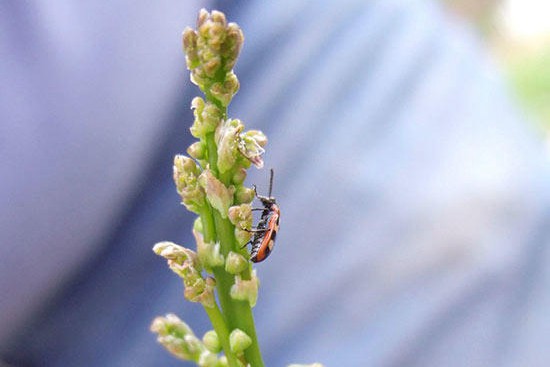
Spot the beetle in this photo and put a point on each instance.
(265, 232)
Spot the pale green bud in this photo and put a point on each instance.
(222, 362)
(197, 105)
(200, 290)
(227, 140)
(207, 117)
(212, 116)
(258, 136)
(225, 91)
(197, 150)
(239, 176)
(211, 66)
(194, 346)
(242, 236)
(217, 194)
(241, 217)
(208, 359)
(216, 36)
(203, 16)
(190, 48)
(235, 263)
(211, 341)
(185, 263)
(244, 195)
(251, 145)
(246, 290)
(231, 48)
(239, 341)
(170, 324)
(219, 18)
(208, 253)
(186, 173)
(177, 337)
(197, 225)
(212, 28)
(204, 27)
(205, 53)
(180, 259)
(231, 84)
(199, 78)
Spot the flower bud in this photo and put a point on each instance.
(203, 16)
(200, 290)
(211, 66)
(235, 263)
(246, 290)
(190, 48)
(258, 136)
(239, 341)
(194, 346)
(242, 236)
(217, 194)
(225, 91)
(208, 359)
(208, 253)
(177, 337)
(180, 259)
(222, 362)
(239, 176)
(231, 48)
(219, 18)
(226, 139)
(231, 84)
(216, 36)
(197, 150)
(211, 341)
(170, 324)
(199, 78)
(197, 225)
(244, 195)
(185, 263)
(241, 217)
(207, 117)
(251, 145)
(186, 172)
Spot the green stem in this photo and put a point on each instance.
(218, 322)
(212, 153)
(208, 226)
(238, 314)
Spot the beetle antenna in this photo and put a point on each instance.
(270, 181)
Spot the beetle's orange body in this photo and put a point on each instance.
(265, 232)
(264, 241)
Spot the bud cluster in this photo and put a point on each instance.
(185, 263)
(211, 53)
(241, 217)
(178, 338)
(207, 117)
(186, 175)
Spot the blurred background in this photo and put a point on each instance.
(518, 34)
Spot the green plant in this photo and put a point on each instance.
(530, 73)
(210, 181)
